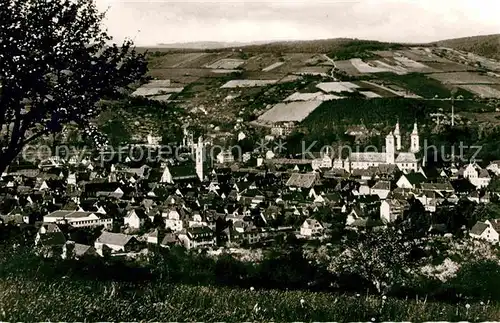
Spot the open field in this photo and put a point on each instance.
(449, 67)
(247, 83)
(375, 67)
(465, 78)
(421, 85)
(423, 54)
(145, 91)
(370, 94)
(272, 66)
(411, 65)
(293, 111)
(258, 62)
(484, 91)
(184, 75)
(226, 64)
(314, 70)
(347, 67)
(317, 96)
(388, 88)
(67, 300)
(337, 87)
(376, 88)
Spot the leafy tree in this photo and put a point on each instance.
(415, 222)
(383, 258)
(55, 67)
(116, 132)
(479, 279)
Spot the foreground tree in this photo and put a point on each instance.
(55, 67)
(385, 258)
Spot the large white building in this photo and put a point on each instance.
(393, 154)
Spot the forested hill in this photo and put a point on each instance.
(487, 46)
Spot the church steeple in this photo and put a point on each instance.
(397, 135)
(389, 149)
(415, 139)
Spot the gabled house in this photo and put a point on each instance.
(197, 237)
(311, 227)
(354, 215)
(135, 218)
(478, 176)
(155, 236)
(410, 181)
(479, 197)
(430, 200)
(382, 189)
(170, 239)
(179, 173)
(445, 187)
(173, 220)
(494, 167)
(115, 242)
(392, 209)
(72, 250)
(487, 230)
(298, 180)
(49, 240)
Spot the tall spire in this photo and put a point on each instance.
(199, 159)
(397, 134)
(396, 130)
(415, 139)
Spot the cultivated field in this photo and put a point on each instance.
(272, 66)
(317, 96)
(465, 78)
(449, 67)
(484, 91)
(375, 67)
(226, 64)
(293, 111)
(370, 95)
(395, 90)
(314, 70)
(145, 91)
(412, 65)
(421, 54)
(365, 86)
(337, 87)
(223, 71)
(247, 83)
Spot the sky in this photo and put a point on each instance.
(149, 22)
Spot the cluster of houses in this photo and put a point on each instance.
(136, 203)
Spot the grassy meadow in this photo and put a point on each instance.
(70, 300)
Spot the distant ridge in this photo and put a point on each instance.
(486, 45)
(208, 45)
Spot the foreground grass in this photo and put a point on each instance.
(24, 299)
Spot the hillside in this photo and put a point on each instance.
(208, 45)
(267, 84)
(487, 45)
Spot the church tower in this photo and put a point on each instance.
(390, 149)
(415, 140)
(397, 135)
(199, 159)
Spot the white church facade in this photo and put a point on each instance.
(393, 154)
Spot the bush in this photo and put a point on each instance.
(480, 280)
